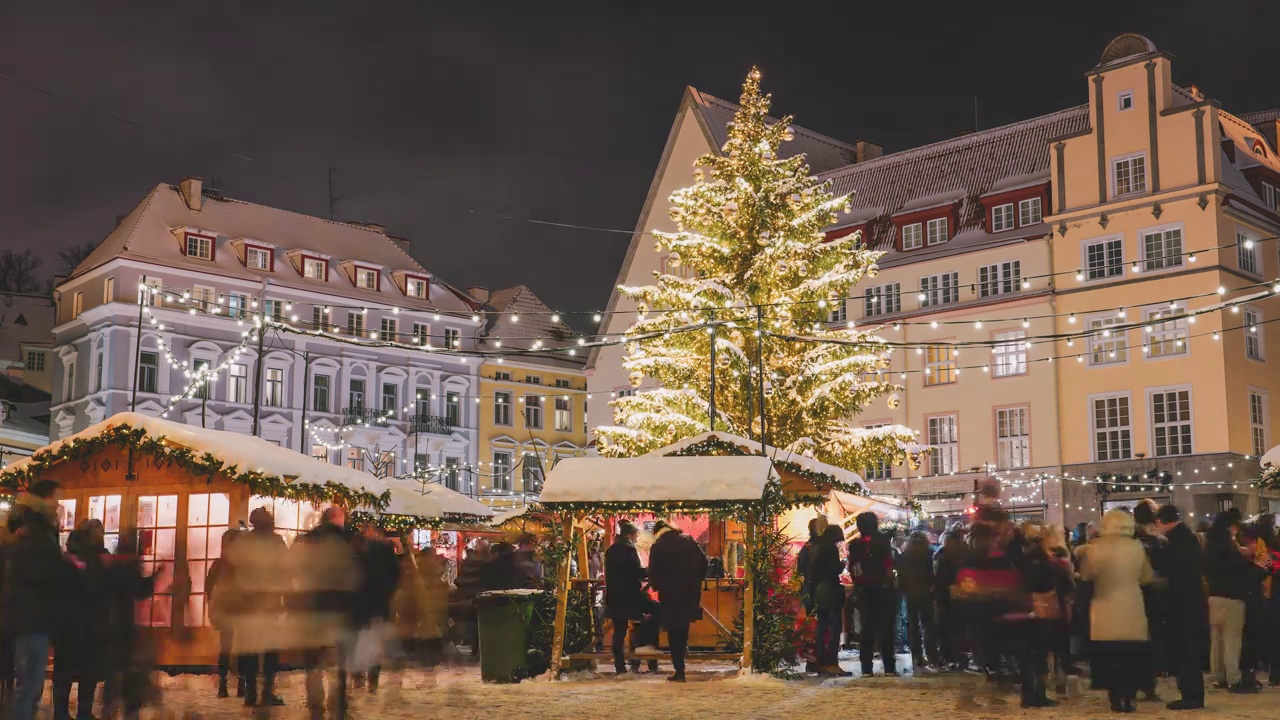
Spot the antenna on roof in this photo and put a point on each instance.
(332, 198)
(975, 113)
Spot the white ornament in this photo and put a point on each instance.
(636, 378)
(789, 134)
(673, 259)
(894, 401)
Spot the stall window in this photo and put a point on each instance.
(157, 543)
(66, 519)
(106, 509)
(207, 517)
(292, 517)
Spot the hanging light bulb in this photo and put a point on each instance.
(1191, 257)
(1079, 276)
(555, 317)
(326, 309)
(1072, 319)
(596, 317)
(1026, 283)
(475, 317)
(934, 324)
(977, 325)
(1025, 323)
(1136, 267)
(515, 317)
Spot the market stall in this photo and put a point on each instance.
(172, 490)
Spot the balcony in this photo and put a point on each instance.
(373, 416)
(434, 424)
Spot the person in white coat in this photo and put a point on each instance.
(1118, 567)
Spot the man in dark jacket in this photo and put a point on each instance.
(946, 567)
(871, 565)
(380, 575)
(677, 567)
(827, 597)
(624, 597)
(36, 575)
(1186, 608)
(915, 576)
(328, 580)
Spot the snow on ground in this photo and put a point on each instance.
(713, 691)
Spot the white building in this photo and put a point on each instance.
(216, 262)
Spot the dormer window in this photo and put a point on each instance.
(912, 236)
(415, 288)
(199, 247)
(366, 278)
(315, 268)
(258, 258)
(1002, 217)
(938, 231)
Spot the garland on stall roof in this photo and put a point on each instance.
(1270, 479)
(199, 464)
(400, 524)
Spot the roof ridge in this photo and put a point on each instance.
(146, 205)
(797, 128)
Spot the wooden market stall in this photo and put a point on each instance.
(173, 490)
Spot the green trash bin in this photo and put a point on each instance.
(504, 618)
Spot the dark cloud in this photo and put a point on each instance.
(443, 116)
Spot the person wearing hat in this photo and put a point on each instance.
(624, 598)
(259, 583)
(677, 567)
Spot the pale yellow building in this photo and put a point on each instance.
(532, 407)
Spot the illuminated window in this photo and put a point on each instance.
(208, 515)
(1129, 175)
(199, 247)
(415, 287)
(106, 510)
(1013, 438)
(315, 269)
(257, 258)
(157, 544)
(944, 445)
(940, 365)
(292, 517)
(1258, 422)
(1009, 354)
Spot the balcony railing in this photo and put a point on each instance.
(373, 416)
(434, 424)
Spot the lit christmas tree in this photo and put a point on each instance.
(750, 240)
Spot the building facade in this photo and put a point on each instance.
(355, 369)
(1052, 326)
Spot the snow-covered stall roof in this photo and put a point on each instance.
(657, 479)
(808, 463)
(1271, 459)
(253, 454)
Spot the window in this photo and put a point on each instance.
(315, 269)
(533, 412)
(199, 247)
(453, 409)
(106, 510)
(562, 383)
(943, 445)
(502, 375)
(355, 324)
(208, 515)
(274, 309)
(1130, 175)
(1166, 331)
(415, 287)
(837, 312)
(77, 304)
(1105, 346)
(1247, 253)
(198, 370)
(237, 305)
(389, 392)
(203, 297)
(1029, 212)
(1010, 354)
(937, 231)
(355, 395)
(1111, 428)
(627, 392)
(157, 524)
(564, 414)
(355, 458)
(882, 300)
(97, 372)
(502, 470)
(421, 334)
(275, 388)
(108, 290)
(292, 517)
(940, 289)
(238, 383)
(451, 473)
(533, 379)
(940, 365)
(1104, 258)
(1013, 438)
(1002, 217)
(69, 387)
(452, 338)
(531, 472)
(502, 408)
(912, 236)
(1162, 249)
(65, 515)
(152, 296)
(148, 371)
(1257, 423)
(388, 329)
(1000, 278)
(320, 393)
(367, 278)
(1171, 422)
(1253, 334)
(35, 360)
(257, 258)
(320, 451)
(1124, 100)
(1271, 196)
(881, 470)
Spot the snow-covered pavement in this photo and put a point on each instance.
(710, 693)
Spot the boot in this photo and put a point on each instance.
(222, 686)
(240, 686)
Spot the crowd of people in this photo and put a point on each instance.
(1141, 596)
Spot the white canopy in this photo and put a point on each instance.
(1271, 458)
(249, 453)
(657, 479)
(808, 463)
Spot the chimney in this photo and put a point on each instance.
(192, 189)
(481, 294)
(867, 150)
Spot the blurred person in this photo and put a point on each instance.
(677, 567)
(625, 600)
(828, 599)
(130, 654)
(946, 566)
(420, 604)
(222, 608)
(470, 582)
(1117, 565)
(1153, 594)
(527, 565)
(817, 526)
(260, 582)
(379, 576)
(1270, 544)
(327, 578)
(871, 566)
(1042, 577)
(987, 589)
(915, 579)
(1186, 607)
(79, 635)
(1232, 577)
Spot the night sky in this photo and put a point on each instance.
(441, 117)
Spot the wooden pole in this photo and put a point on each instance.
(583, 572)
(748, 601)
(562, 603)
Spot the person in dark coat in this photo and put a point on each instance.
(828, 599)
(380, 575)
(130, 657)
(677, 567)
(1233, 578)
(871, 565)
(946, 567)
(260, 584)
(915, 579)
(625, 600)
(1153, 595)
(1186, 608)
(36, 576)
(220, 591)
(328, 579)
(79, 636)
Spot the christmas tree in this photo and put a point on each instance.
(760, 278)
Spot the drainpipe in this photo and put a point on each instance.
(1057, 390)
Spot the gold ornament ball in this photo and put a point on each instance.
(894, 401)
(636, 378)
(674, 259)
(756, 425)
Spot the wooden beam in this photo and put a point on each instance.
(583, 572)
(562, 603)
(748, 601)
